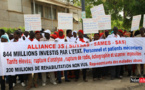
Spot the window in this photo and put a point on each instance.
(54, 14)
(15, 5)
(48, 12)
(38, 9)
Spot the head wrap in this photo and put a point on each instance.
(54, 36)
(56, 33)
(81, 31)
(37, 32)
(5, 37)
(120, 31)
(61, 37)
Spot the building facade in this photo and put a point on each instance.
(12, 12)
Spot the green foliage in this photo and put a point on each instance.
(11, 30)
(113, 7)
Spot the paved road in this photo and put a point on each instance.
(104, 84)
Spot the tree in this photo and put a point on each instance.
(113, 7)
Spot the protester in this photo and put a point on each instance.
(35, 76)
(11, 36)
(69, 36)
(26, 34)
(139, 65)
(81, 39)
(5, 38)
(52, 75)
(114, 70)
(61, 38)
(2, 32)
(97, 72)
(75, 34)
(17, 34)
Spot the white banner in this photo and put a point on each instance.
(23, 58)
(90, 26)
(144, 22)
(65, 21)
(97, 10)
(32, 22)
(135, 22)
(104, 22)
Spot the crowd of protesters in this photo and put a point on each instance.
(30, 80)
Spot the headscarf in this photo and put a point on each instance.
(101, 34)
(81, 31)
(120, 31)
(61, 37)
(74, 32)
(54, 36)
(81, 39)
(5, 37)
(112, 32)
(37, 32)
(56, 33)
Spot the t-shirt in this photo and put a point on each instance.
(59, 40)
(28, 40)
(113, 36)
(44, 39)
(20, 40)
(85, 39)
(71, 39)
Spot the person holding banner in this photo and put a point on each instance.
(35, 76)
(139, 65)
(81, 39)
(69, 36)
(61, 38)
(114, 70)
(17, 35)
(52, 75)
(5, 38)
(75, 34)
(97, 72)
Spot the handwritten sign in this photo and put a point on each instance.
(97, 10)
(144, 22)
(65, 21)
(90, 26)
(135, 22)
(32, 22)
(104, 22)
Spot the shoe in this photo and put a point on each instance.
(23, 84)
(120, 77)
(85, 80)
(67, 80)
(54, 83)
(14, 84)
(43, 84)
(35, 85)
(59, 82)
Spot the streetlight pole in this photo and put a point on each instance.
(83, 11)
